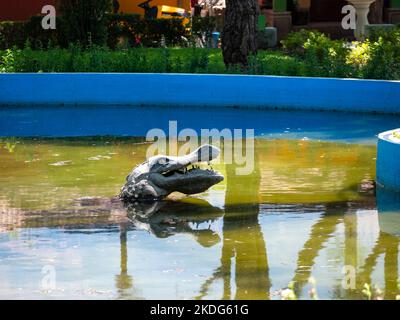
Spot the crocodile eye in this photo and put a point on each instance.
(163, 160)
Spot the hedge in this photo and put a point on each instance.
(123, 30)
(164, 60)
(18, 34)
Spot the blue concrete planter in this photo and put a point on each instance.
(190, 90)
(388, 161)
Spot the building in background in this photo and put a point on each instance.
(285, 15)
(322, 15)
(19, 10)
(132, 6)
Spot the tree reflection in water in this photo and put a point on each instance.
(244, 268)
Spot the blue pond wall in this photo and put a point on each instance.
(387, 162)
(67, 121)
(201, 90)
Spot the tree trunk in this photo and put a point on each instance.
(240, 30)
(376, 12)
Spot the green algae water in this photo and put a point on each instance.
(308, 209)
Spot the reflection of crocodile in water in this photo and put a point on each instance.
(161, 175)
(167, 218)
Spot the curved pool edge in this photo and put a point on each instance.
(247, 91)
(388, 162)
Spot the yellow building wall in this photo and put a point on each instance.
(131, 6)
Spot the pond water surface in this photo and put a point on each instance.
(308, 209)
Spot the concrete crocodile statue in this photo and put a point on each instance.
(161, 175)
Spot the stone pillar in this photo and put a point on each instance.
(279, 18)
(362, 9)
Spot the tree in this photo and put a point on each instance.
(376, 12)
(240, 30)
(85, 21)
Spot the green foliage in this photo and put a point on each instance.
(384, 56)
(323, 56)
(294, 42)
(202, 28)
(175, 60)
(376, 58)
(127, 30)
(12, 34)
(275, 64)
(359, 55)
(18, 33)
(86, 20)
(372, 292)
(7, 61)
(327, 58)
(116, 30)
(306, 53)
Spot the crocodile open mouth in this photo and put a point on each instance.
(188, 170)
(188, 179)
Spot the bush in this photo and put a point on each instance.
(384, 56)
(276, 64)
(202, 28)
(12, 34)
(327, 58)
(322, 56)
(85, 20)
(121, 31)
(7, 61)
(305, 55)
(100, 59)
(17, 34)
(376, 58)
(127, 30)
(294, 42)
